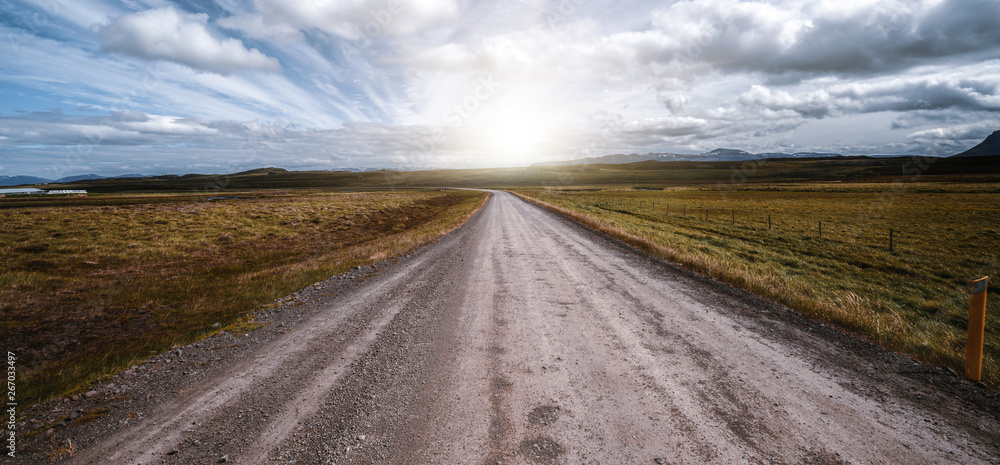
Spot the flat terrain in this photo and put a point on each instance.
(655, 173)
(824, 249)
(90, 286)
(524, 338)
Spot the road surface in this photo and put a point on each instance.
(523, 338)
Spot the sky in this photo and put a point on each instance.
(160, 86)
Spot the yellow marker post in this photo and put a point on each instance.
(977, 326)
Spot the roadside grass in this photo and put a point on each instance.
(99, 284)
(914, 299)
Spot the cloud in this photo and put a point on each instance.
(678, 75)
(973, 132)
(674, 102)
(355, 19)
(639, 132)
(797, 40)
(256, 27)
(171, 35)
(169, 125)
(226, 144)
(701, 133)
(951, 140)
(924, 118)
(19, 133)
(113, 82)
(897, 95)
(575, 51)
(781, 43)
(125, 127)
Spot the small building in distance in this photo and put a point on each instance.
(21, 190)
(32, 190)
(77, 191)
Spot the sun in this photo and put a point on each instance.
(518, 133)
(515, 133)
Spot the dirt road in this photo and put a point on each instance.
(524, 338)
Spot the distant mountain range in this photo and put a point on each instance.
(989, 147)
(714, 155)
(20, 180)
(395, 168)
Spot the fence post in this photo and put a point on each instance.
(820, 228)
(890, 240)
(768, 222)
(734, 217)
(977, 326)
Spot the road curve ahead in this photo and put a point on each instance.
(523, 338)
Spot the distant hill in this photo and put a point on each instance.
(81, 177)
(986, 148)
(714, 155)
(19, 180)
(269, 170)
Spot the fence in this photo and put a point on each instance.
(666, 210)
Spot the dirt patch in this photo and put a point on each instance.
(823, 458)
(544, 415)
(541, 450)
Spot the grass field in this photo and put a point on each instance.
(674, 173)
(913, 299)
(90, 286)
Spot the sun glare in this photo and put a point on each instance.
(515, 135)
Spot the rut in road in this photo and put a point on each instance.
(524, 338)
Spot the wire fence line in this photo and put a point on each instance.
(836, 231)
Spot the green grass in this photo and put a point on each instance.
(914, 299)
(91, 286)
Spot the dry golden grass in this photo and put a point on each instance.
(914, 299)
(62, 452)
(95, 286)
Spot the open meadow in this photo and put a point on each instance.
(672, 173)
(826, 251)
(90, 286)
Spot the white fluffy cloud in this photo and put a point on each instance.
(255, 26)
(803, 39)
(780, 41)
(897, 95)
(970, 134)
(168, 125)
(171, 35)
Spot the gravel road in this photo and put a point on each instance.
(524, 338)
